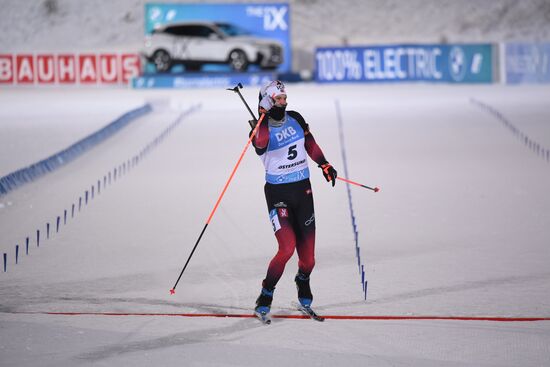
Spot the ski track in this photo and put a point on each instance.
(459, 230)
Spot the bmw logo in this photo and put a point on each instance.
(457, 63)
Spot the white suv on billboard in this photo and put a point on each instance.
(194, 44)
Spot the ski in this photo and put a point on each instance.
(309, 312)
(264, 317)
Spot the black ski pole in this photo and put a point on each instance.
(173, 290)
(236, 90)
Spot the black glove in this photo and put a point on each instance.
(329, 172)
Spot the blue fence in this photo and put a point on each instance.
(34, 171)
(51, 228)
(360, 265)
(536, 147)
(471, 63)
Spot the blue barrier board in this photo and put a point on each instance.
(200, 80)
(404, 63)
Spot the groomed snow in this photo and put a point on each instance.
(459, 228)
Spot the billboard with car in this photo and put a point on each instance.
(217, 37)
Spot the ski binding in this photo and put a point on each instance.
(263, 316)
(309, 312)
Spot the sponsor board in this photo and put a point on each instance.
(68, 68)
(201, 80)
(526, 63)
(399, 63)
(245, 27)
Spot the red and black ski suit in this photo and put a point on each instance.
(288, 191)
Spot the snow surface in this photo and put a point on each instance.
(63, 116)
(460, 228)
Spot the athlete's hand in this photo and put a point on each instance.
(266, 103)
(329, 172)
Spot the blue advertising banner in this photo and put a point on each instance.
(399, 63)
(217, 37)
(527, 63)
(198, 80)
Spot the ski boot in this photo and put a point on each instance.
(304, 291)
(263, 305)
(305, 297)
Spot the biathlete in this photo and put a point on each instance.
(283, 141)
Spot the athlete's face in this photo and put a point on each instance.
(280, 100)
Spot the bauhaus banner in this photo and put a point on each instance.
(68, 68)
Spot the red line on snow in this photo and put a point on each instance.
(279, 316)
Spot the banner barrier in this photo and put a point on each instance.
(201, 80)
(471, 63)
(68, 68)
(526, 63)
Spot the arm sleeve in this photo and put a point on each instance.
(261, 139)
(312, 149)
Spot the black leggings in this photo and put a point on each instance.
(292, 215)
